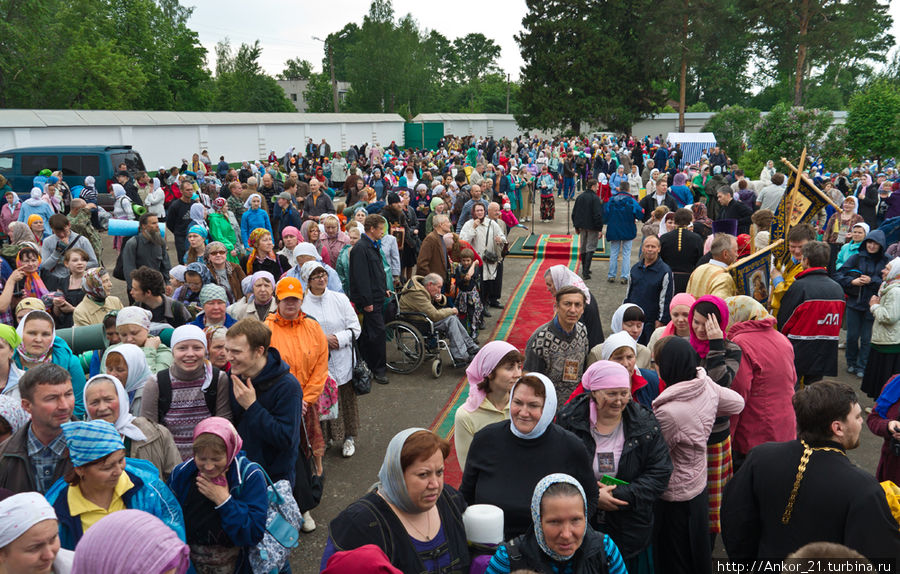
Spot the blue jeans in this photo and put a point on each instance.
(625, 248)
(568, 189)
(859, 336)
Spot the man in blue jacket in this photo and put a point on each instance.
(620, 212)
(651, 287)
(265, 399)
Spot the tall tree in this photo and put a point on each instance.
(797, 39)
(584, 63)
(241, 85)
(342, 43)
(318, 96)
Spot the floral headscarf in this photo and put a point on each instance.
(253, 241)
(536, 499)
(562, 276)
(93, 284)
(699, 211)
(743, 308)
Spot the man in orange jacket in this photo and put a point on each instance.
(303, 346)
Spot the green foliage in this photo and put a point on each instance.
(297, 69)
(319, 95)
(100, 54)
(786, 130)
(873, 120)
(698, 107)
(589, 61)
(241, 86)
(732, 125)
(841, 40)
(752, 163)
(834, 150)
(667, 109)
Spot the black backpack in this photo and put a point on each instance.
(164, 383)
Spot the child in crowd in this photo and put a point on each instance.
(468, 284)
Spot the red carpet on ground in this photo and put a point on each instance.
(528, 307)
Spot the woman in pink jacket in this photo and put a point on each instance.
(765, 379)
(686, 410)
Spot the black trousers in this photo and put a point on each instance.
(372, 341)
(181, 247)
(681, 540)
(490, 290)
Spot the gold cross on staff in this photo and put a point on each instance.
(800, 175)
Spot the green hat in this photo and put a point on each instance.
(9, 335)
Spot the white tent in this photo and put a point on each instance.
(692, 144)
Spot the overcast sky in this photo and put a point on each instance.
(285, 29)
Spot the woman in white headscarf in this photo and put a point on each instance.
(884, 358)
(507, 459)
(630, 318)
(29, 540)
(106, 399)
(334, 313)
(128, 363)
(411, 514)
(560, 276)
(155, 200)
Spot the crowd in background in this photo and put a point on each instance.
(232, 369)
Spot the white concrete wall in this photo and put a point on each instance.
(479, 127)
(167, 144)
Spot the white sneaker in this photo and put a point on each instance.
(349, 447)
(308, 523)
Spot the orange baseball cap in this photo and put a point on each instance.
(289, 287)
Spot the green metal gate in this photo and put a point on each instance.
(423, 135)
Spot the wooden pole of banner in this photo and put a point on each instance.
(804, 177)
(766, 249)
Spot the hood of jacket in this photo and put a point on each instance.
(752, 326)
(683, 391)
(274, 370)
(877, 236)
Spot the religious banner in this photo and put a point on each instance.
(751, 274)
(799, 204)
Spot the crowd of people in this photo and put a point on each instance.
(232, 370)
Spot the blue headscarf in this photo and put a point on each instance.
(536, 498)
(391, 483)
(890, 394)
(91, 440)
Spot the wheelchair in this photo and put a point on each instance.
(411, 339)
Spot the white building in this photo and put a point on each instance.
(295, 90)
(164, 138)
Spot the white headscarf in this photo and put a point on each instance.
(20, 512)
(124, 423)
(252, 195)
(138, 371)
(616, 323)
(547, 414)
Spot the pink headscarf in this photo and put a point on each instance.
(680, 299)
(702, 347)
(604, 375)
(707, 245)
(481, 366)
(223, 429)
(563, 276)
(143, 544)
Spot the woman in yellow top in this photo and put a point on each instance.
(103, 481)
(491, 374)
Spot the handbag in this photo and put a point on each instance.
(327, 405)
(283, 521)
(308, 486)
(490, 256)
(361, 378)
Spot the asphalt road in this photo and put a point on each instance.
(415, 400)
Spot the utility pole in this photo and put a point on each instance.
(334, 90)
(507, 93)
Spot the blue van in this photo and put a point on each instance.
(21, 165)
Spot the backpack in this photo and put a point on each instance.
(119, 269)
(164, 383)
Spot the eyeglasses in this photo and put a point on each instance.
(217, 252)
